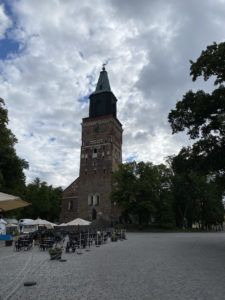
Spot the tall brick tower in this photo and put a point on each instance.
(101, 153)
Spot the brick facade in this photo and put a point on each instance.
(101, 153)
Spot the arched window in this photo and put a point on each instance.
(90, 200)
(70, 205)
(95, 154)
(96, 200)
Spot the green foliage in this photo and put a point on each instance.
(12, 178)
(203, 115)
(141, 190)
(164, 215)
(114, 238)
(55, 253)
(45, 201)
(210, 63)
(197, 197)
(200, 113)
(55, 250)
(165, 197)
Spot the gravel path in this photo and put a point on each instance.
(146, 266)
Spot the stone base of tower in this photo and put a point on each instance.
(66, 217)
(76, 202)
(69, 209)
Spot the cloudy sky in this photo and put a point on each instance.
(51, 54)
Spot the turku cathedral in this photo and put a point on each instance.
(87, 197)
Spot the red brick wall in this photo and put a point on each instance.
(102, 135)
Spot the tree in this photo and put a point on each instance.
(142, 191)
(123, 192)
(12, 178)
(164, 216)
(197, 197)
(203, 114)
(45, 201)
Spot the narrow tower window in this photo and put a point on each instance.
(94, 155)
(96, 200)
(90, 200)
(70, 205)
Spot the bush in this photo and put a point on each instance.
(55, 253)
(114, 238)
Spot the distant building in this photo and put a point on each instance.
(101, 153)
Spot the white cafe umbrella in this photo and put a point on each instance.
(63, 224)
(78, 221)
(9, 202)
(40, 222)
(11, 225)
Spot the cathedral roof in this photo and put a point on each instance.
(103, 83)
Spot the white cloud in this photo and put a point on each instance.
(62, 45)
(5, 22)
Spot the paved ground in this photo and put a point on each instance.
(146, 266)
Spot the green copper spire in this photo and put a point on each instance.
(102, 101)
(103, 82)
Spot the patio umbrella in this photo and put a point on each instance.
(63, 224)
(79, 222)
(9, 202)
(11, 225)
(40, 222)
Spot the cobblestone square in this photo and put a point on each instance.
(146, 266)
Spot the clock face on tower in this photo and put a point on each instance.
(96, 129)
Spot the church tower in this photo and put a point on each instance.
(101, 153)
